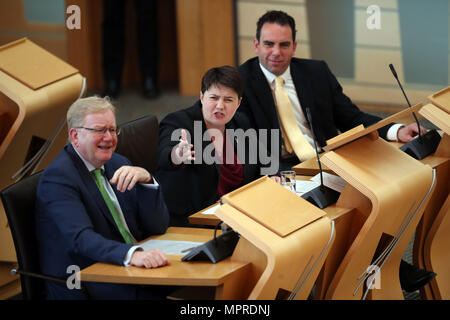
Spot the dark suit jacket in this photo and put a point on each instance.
(75, 227)
(193, 187)
(317, 88)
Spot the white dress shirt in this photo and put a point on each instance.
(289, 88)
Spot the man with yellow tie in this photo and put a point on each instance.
(93, 206)
(280, 88)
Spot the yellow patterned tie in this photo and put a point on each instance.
(294, 139)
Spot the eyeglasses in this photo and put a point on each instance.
(102, 131)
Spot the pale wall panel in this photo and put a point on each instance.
(383, 4)
(387, 36)
(248, 14)
(382, 95)
(372, 65)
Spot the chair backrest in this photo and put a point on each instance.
(19, 203)
(138, 141)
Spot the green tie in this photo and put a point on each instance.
(112, 208)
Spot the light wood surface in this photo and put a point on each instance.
(441, 99)
(286, 263)
(381, 173)
(33, 69)
(260, 246)
(332, 212)
(204, 219)
(310, 167)
(283, 216)
(437, 116)
(433, 235)
(372, 129)
(436, 253)
(227, 275)
(205, 37)
(31, 114)
(36, 89)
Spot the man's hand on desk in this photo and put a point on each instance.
(277, 179)
(409, 132)
(149, 259)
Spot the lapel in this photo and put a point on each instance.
(305, 95)
(93, 193)
(303, 88)
(263, 94)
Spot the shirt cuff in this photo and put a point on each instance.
(392, 132)
(154, 185)
(126, 261)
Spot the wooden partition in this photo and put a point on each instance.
(205, 35)
(285, 238)
(432, 239)
(84, 46)
(389, 191)
(36, 89)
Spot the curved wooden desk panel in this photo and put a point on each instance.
(395, 184)
(290, 263)
(437, 254)
(32, 117)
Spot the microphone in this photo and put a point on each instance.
(424, 144)
(391, 66)
(321, 196)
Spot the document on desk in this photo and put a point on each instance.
(170, 246)
(211, 210)
(331, 181)
(303, 186)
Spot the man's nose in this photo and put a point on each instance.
(108, 135)
(276, 50)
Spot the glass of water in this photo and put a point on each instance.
(288, 180)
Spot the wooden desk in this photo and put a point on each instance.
(334, 211)
(227, 276)
(204, 219)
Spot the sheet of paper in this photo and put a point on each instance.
(331, 181)
(170, 246)
(303, 186)
(211, 210)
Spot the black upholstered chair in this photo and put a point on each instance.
(19, 203)
(138, 141)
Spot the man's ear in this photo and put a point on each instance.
(255, 45)
(73, 133)
(295, 45)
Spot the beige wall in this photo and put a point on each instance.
(374, 49)
(13, 26)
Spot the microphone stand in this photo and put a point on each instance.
(321, 196)
(424, 144)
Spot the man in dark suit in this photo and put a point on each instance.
(92, 206)
(308, 84)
